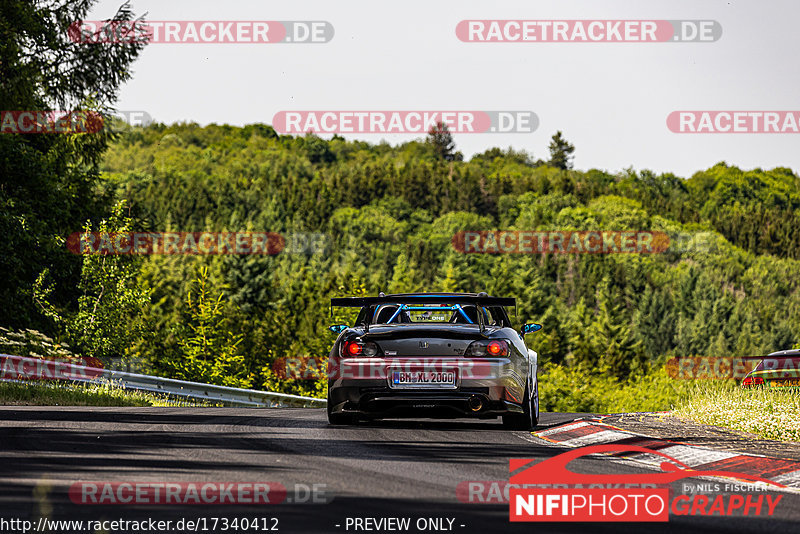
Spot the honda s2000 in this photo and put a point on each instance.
(432, 355)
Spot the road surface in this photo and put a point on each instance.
(405, 469)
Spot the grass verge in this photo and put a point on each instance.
(768, 413)
(61, 394)
(564, 389)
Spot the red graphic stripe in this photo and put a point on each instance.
(642, 441)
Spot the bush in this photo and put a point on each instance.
(565, 389)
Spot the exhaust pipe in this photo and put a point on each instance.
(475, 403)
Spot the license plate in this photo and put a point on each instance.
(423, 379)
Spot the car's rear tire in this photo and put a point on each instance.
(529, 418)
(341, 418)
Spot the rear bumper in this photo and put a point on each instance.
(426, 404)
(484, 389)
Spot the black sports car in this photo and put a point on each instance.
(432, 355)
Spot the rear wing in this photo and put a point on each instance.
(360, 302)
(478, 300)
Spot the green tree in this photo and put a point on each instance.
(444, 147)
(111, 305)
(560, 152)
(582, 351)
(611, 336)
(318, 150)
(209, 349)
(654, 322)
(404, 277)
(47, 182)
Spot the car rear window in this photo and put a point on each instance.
(433, 313)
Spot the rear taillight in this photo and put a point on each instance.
(497, 348)
(357, 348)
(751, 381)
(494, 348)
(351, 348)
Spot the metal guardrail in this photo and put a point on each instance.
(19, 368)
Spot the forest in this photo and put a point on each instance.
(387, 216)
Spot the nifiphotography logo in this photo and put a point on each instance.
(574, 496)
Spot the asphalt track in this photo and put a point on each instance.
(399, 468)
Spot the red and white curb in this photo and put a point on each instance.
(582, 433)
